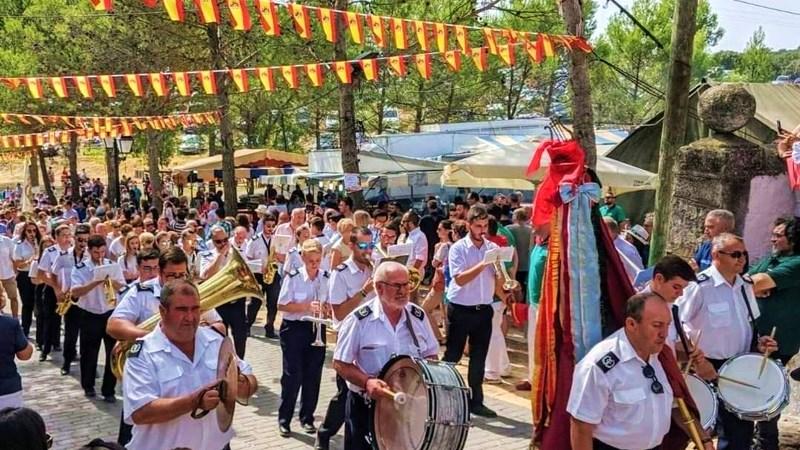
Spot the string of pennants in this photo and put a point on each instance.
(168, 122)
(56, 137)
(160, 82)
(12, 155)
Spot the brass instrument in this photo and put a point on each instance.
(414, 278)
(318, 319)
(65, 305)
(509, 284)
(233, 281)
(111, 293)
(270, 267)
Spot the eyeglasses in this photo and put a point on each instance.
(175, 275)
(736, 255)
(149, 269)
(48, 440)
(650, 374)
(397, 286)
(220, 241)
(365, 245)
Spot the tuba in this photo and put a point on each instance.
(233, 281)
(270, 266)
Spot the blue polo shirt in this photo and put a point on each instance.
(12, 340)
(703, 255)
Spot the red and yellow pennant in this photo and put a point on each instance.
(268, 16)
(356, 27)
(398, 65)
(399, 32)
(423, 63)
(378, 34)
(545, 46)
(440, 30)
(491, 41)
(344, 71)
(34, 87)
(135, 84)
(240, 15)
(453, 59)
(102, 5)
(421, 30)
(507, 53)
(108, 85)
(59, 86)
(240, 79)
(207, 10)
(370, 68)
(175, 10)
(266, 78)
(462, 39)
(159, 83)
(480, 56)
(84, 86)
(300, 17)
(329, 25)
(314, 72)
(182, 83)
(208, 79)
(290, 75)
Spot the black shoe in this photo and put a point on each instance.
(321, 444)
(483, 411)
(89, 394)
(57, 348)
(284, 431)
(65, 370)
(42, 357)
(110, 398)
(309, 428)
(270, 334)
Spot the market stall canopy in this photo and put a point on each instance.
(504, 168)
(249, 163)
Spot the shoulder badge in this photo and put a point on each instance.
(63, 253)
(326, 274)
(136, 348)
(142, 288)
(80, 265)
(747, 278)
(607, 362)
(51, 249)
(341, 267)
(417, 312)
(125, 289)
(294, 273)
(702, 278)
(363, 312)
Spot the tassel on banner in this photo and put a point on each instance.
(398, 64)
(159, 83)
(424, 65)
(241, 79)
(182, 83)
(378, 34)
(240, 15)
(290, 75)
(135, 84)
(507, 54)
(491, 41)
(441, 36)
(35, 87)
(107, 83)
(370, 68)
(399, 31)
(59, 86)
(314, 72)
(300, 16)
(343, 71)
(453, 59)
(84, 86)
(329, 24)
(209, 81)
(207, 10)
(175, 10)
(480, 56)
(356, 27)
(421, 29)
(268, 16)
(266, 77)
(462, 39)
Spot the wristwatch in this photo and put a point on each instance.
(363, 293)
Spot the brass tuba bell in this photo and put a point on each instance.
(233, 281)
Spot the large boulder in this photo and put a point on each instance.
(726, 108)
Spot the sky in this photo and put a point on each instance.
(740, 21)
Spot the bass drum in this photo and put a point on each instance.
(435, 414)
(705, 398)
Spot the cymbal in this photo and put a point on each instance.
(228, 372)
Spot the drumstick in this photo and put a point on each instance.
(398, 397)
(766, 353)
(734, 380)
(694, 346)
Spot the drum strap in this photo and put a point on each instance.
(411, 332)
(754, 340)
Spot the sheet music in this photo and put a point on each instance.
(281, 243)
(400, 250)
(500, 254)
(112, 271)
(34, 269)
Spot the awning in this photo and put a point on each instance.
(245, 161)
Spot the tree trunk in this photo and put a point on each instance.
(153, 144)
(226, 135)
(419, 110)
(72, 155)
(347, 114)
(112, 178)
(48, 188)
(33, 171)
(317, 134)
(381, 107)
(676, 110)
(450, 97)
(582, 116)
(212, 142)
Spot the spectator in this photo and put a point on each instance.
(522, 243)
(716, 222)
(612, 209)
(13, 345)
(630, 256)
(23, 429)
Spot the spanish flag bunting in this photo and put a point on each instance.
(68, 121)
(424, 65)
(34, 86)
(491, 41)
(399, 32)
(480, 56)
(16, 141)
(209, 81)
(150, 3)
(314, 72)
(265, 75)
(127, 130)
(108, 124)
(96, 124)
(84, 86)
(441, 36)
(290, 75)
(211, 117)
(59, 85)
(240, 15)
(154, 123)
(545, 46)
(302, 23)
(6, 141)
(580, 43)
(28, 140)
(453, 58)
(421, 29)
(139, 124)
(6, 118)
(344, 71)
(175, 10)
(101, 5)
(38, 119)
(533, 52)
(356, 27)
(240, 79)
(376, 25)
(329, 25)
(370, 67)
(268, 16)
(38, 139)
(64, 137)
(135, 83)
(22, 119)
(462, 38)
(107, 83)
(510, 36)
(207, 10)
(51, 137)
(159, 83)
(182, 83)
(507, 54)
(398, 64)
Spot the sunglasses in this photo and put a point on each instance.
(650, 374)
(736, 255)
(365, 245)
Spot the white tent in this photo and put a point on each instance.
(504, 168)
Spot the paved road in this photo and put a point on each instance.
(74, 420)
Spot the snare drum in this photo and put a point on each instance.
(705, 399)
(435, 414)
(747, 403)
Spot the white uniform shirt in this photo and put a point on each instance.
(116, 248)
(207, 259)
(464, 255)
(63, 265)
(161, 370)
(128, 263)
(420, 252)
(297, 287)
(23, 251)
(285, 229)
(368, 340)
(347, 279)
(717, 308)
(140, 301)
(93, 301)
(294, 261)
(48, 258)
(610, 391)
(242, 247)
(6, 253)
(257, 249)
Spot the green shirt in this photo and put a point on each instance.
(536, 273)
(615, 212)
(782, 307)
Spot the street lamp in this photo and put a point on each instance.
(116, 146)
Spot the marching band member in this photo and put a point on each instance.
(302, 293)
(51, 292)
(172, 372)
(386, 326)
(95, 311)
(389, 235)
(239, 238)
(8, 276)
(25, 250)
(258, 250)
(419, 256)
(62, 272)
(723, 306)
(294, 259)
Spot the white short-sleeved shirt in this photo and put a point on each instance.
(346, 280)
(610, 391)
(257, 249)
(294, 261)
(719, 310)
(463, 256)
(160, 370)
(23, 251)
(140, 301)
(285, 229)
(420, 247)
(128, 263)
(207, 259)
(368, 340)
(6, 254)
(93, 301)
(117, 247)
(63, 264)
(298, 287)
(49, 256)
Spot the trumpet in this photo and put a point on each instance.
(111, 293)
(509, 284)
(318, 319)
(65, 305)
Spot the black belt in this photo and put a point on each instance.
(472, 307)
(599, 445)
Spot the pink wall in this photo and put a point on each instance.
(770, 198)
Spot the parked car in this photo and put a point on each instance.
(782, 79)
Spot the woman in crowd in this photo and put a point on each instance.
(147, 241)
(389, 235)
(163, 241)
(294, 259)
(340, 251)
(130, 268)
(436, 293)
(25, 251)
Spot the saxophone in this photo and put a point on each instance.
(270, 267)
(111, 293)
(65, 305)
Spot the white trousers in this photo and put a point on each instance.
(531, 335)
(497, 362)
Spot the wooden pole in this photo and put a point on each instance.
(673, 134)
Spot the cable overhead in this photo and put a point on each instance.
(638, 24)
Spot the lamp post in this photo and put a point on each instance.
(116, 146)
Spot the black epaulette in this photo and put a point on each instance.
(207, 254)
(417, 312)
(747, 279)
(63, 253)
(607, 362)
(703, 278)
(363, 312)
(51, 249)
(136, 348)
(142, 288)
(326, 274)
(80, 265)
(125, 289)
(294, 273)
(341, 267)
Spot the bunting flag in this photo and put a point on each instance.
(159, 83)
(507, 54)
(491, 42)
(356, 27)
(398, 64)
(329, 24)
(109, 123)
(207, 10)
(107, 83)
(545, 46)
(376, 25)
(175, 10)
(399, 32)
(314, 72)
(35, 87)
(135, 84)
(102, 5)
(344, 71)
(422, 34)
(84, 86)
(461, 38)
(480, 56)
(533, 52)
(290, 75)
(182, 83)
(59, 85)
(370, 68)
(208, 80)
(453, 59)
(302, 22)
(240, 79)
(441, 36)
(268, 16)
(265, 75)
(424, 65)
(240, 15)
